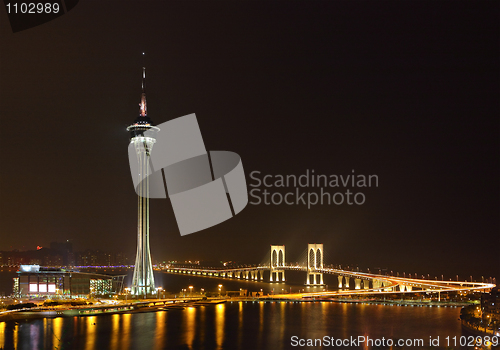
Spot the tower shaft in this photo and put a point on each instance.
(143, 279)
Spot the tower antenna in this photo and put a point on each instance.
(143, 104)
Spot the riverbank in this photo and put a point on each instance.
(480, 331)
(133, 307)
(160, 305)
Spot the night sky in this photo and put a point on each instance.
(406, 90)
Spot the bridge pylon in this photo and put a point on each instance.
(314, 262)
(277, 263)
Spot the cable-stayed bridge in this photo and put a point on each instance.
(364, 283)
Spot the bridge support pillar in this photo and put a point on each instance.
(341, 281)
(357, 283)
(347, 282)
(366, 284)
(401, 287)
(277, 262)
(314, 264)
(408, 288)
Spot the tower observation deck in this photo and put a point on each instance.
(143, 283)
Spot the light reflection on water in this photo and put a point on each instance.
(237, 325)
(189, 326)
(115, 331)
(161, 322)
(219, 324)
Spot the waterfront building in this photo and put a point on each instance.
(39, 281)
(490, 302)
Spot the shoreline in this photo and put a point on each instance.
(176, 304)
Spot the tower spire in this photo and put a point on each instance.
(143, 105)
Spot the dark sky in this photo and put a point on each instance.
(406, 90)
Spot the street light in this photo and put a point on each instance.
(158, 290)
(220, 288)
(126, 293)
(191, 290)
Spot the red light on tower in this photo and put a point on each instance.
(38, 247)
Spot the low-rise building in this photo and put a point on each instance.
(38, 281)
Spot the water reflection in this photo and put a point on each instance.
(16, 336)
(2, 335)
(220, 310)
(56, 327)
(261, 322)
(241, 325)
(125, 334)
(190, 326)
(160, 330)
(115, 331)
(282, 319)
(90, 334)
(201, 321)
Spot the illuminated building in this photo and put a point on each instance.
(143, 282)
(38, 281)
(490, 302)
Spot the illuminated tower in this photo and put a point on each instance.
(143, 282)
